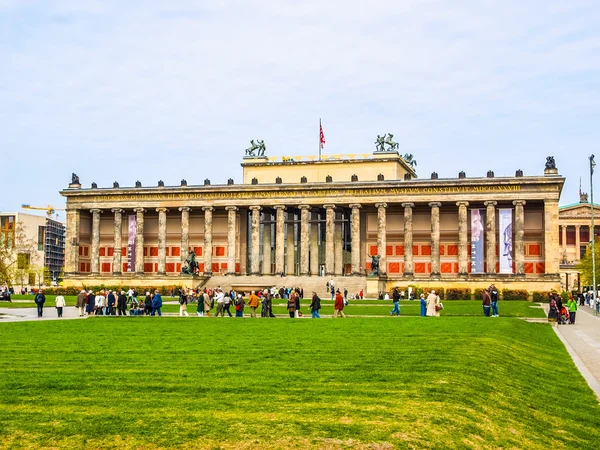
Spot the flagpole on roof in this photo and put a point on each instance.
(320, 146)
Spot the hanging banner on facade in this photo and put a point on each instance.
(477, 238)
(131, 243)
(505, 232)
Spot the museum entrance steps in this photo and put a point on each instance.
(247, 283)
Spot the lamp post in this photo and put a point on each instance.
(593, 237)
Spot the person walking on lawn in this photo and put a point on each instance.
(80, 302)
(239, 306)
(396, 300)
(60, 304)
(206, 300)
(433, 303)
(40, 299)
(494, 299)
(220, 300)
(315, 306)
(156, 303)
(339, 305)
(487, 302)
(253, 303)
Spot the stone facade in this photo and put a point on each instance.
(248, 233)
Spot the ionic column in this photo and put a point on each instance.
(162, 240)
(279, 239)
(314, 247)
(577, 242)
(551, 250)
(266, 259)
(231, 233)
(72, 241)
(255, 233)
(408, 239)
(329, 236)
(564, 238)
(290, 261)
(118, 231)
(185, 232)
(435, 238)
(208, 225)
(304, 239)
(139, 240)
(95, 240)
(519, 237)
(355, 238)
(490, 233)
(463, 263)
(381, 237)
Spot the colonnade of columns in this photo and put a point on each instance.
(308, 242)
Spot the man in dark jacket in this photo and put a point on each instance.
(111, 303)
(396, 299)
(486, 302)
(40, 299)
(122, 303)
(156, 303)
(315, 306)
(494, 299)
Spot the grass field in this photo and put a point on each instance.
(355, 308)
(454, 382)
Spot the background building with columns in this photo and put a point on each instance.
(309, 220)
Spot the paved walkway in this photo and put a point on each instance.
(582, 340)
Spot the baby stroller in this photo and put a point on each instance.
(563, 317)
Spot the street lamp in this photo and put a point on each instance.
(593, 237)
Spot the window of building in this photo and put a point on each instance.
(23, 260)
(41, 233)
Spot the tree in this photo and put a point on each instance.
(584, 267)
(17, 253)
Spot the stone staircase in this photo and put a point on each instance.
(317, 284)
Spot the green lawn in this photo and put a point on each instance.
(454, 382)
(356, 307)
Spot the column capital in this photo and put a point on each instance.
(462, 203)
(164, 210)
(185, 208)
(303, 206)
(380, 205)
(139, 210)
(117, 210)
(519, 202)
(96, 211)
(254, 208)
(435, 204)
(408, 205)
(208, 208)
(329, 206)
(282, 207)
(577, 227)
(355, 205)
(231, 208)
(490, 203)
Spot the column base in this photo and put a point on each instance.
(117, 274)
(305, 274)
(463, 274)
(356, 274)
(231, 274)
(435, 275)
(207, 274)
(409, 274)
(162, 274)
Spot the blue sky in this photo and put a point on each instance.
(149, 90)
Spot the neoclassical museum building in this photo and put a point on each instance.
(300, 221)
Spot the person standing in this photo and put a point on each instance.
(345, 296)
(147, 304)
(99, 304)
(122, 303)
(227, 302)
(315, 306)
(111, 304)
(433, 304)
(220, 300)
(60, 304)
(494, 299)
(572, 305)
(396, 300)
(156, 303)
(183, 304)
(338, 305)
(253, 304)
(291, 307)
(205, 298)
(80, 302)
(40, 299)
(486, 302)
(90, 303)
(361, 294)
(239, 306)
(423, 305)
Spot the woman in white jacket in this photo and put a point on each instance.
(100, 303)
(60, 304)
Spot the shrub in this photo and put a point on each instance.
(541, 296)
(478, 293)
(515, 294)
(458, 293)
